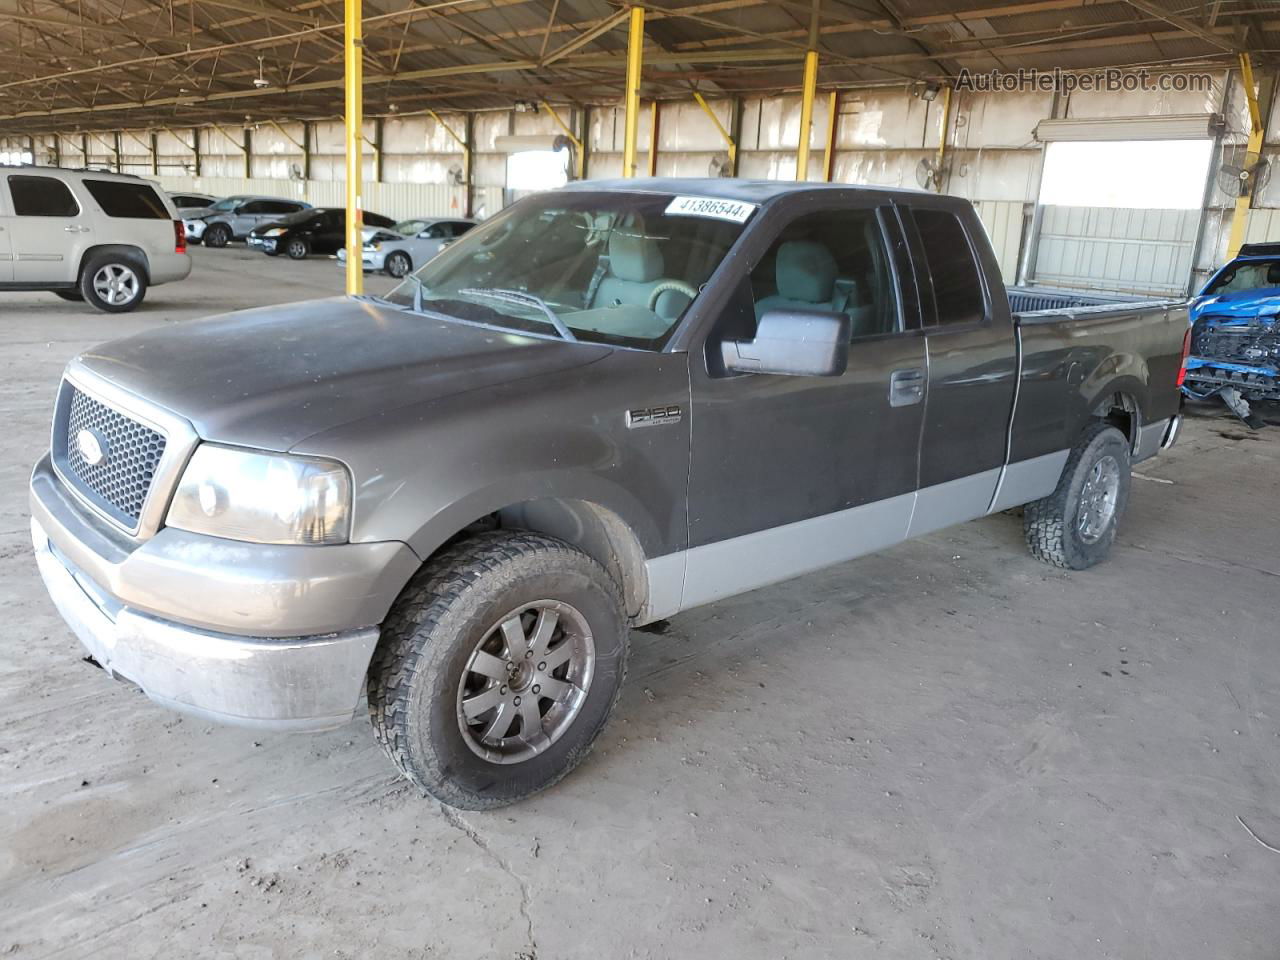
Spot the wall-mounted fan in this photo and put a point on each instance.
(455, 176)
(720, 166)
(929, 175)
(1243, 173)
(295, 172)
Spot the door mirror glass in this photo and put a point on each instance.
(796, 343)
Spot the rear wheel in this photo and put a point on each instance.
(498, 666)
(297, 249)
(218, 235)
(398, 264)
(113, 282)
(1075, 526)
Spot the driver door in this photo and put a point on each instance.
(789, 474)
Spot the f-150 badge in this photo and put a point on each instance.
(653, 416)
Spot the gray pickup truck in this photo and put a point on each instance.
(607, 404)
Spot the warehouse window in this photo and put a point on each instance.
(41, 197)
(957, 283)
(128, 201)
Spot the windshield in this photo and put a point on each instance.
(611, 267)
(410, 228)
(229, 203)
(1247, 275)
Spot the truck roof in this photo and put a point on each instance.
(725, 188)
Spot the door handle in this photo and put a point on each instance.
(76, 228)
(906, 387)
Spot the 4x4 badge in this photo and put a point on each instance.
(653, 416)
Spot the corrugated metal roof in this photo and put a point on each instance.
(107, 63)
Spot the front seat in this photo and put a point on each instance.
(636, 266)
(805, 272)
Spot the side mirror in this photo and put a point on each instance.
(795, 343)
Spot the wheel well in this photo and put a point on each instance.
(597, 531)
(1121, 411)
(120, 249)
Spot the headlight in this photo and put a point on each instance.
(373, 246)
(263, 497)
(274, 232)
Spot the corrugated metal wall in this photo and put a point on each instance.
(882, 135)
(1117, 249)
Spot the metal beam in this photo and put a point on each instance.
(582, 39)
(353, 85)
(653, 138)
(635, 54)
(1182, 23)
(829, 155)
(944, 127)
(578, 159)
(728, 139)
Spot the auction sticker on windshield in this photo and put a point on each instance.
(732, 210)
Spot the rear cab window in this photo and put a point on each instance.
(951, 277)
(127, 201)
(41, 197)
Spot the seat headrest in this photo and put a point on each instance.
(806, 271)
(634, 257)
(1273, 273)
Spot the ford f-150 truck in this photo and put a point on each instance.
(607, 404)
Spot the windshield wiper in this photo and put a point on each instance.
(522, 299)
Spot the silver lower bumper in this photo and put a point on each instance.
(299, 683)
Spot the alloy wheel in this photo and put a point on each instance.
(115, 284)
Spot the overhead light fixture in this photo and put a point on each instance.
(929, 92)
(260, 80)
(526, 106)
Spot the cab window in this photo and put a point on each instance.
(834, 261)
(951, 268)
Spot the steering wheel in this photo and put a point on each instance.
(677, 285)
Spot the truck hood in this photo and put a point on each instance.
(1245, 304)
(272, 376)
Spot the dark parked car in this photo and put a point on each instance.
(605, 405)
(318, 230)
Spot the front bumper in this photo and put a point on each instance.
(265, 244)
(299, 683)
(194, 229)
(255, 634)
(372, 259)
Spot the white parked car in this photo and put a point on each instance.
(407, 245)
(99, 237)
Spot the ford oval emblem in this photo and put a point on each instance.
(92, 447)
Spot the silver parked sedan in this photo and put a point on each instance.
(407, 245)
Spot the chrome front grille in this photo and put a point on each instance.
(127, 455)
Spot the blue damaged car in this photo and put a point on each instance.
(1235, 333)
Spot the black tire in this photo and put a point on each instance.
(218, 236)
(398, 264)
(416, 679)
(1053, 525)
(74, 295)
(297, 249)
(122, 268)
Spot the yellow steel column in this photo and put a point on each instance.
(635, 50)
(1257, 131)
(829, 157)
(806, 113)
(354, 83)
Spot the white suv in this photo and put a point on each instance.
(84, 235)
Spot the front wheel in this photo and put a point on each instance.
(498, 667)
(398, 264)
(297, 249)
(1075, 526)
(218, 235)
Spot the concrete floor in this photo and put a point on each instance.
(948, 750)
